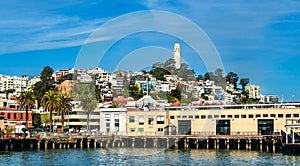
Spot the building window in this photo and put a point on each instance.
(116, 116)
(151, 120)
(191, 116)
(203, 116)
(140, 129)
(223, 116)
(236, 116)
(280, 115)
(288, 115)
(107, 127)
(178, 117)
(257, 115)
(296, 115)
(132, 129)
(273, 115)
(141, 120)
(117, 125)
(160, 129)
(197, 117)
(107, 116)
(172, 117)
(21, 116)
(160, 120)
(265, 115)
(209, 116)
(15, 115)
(8, 115)
(216, 116)
(250, 116)
(184, 117)
(229, 116)
(243, 116)
(131, 119)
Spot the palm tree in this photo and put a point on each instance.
(89, 104)
(50, 103)
(26, 100)
(64, 105)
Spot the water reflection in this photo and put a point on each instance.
(136, 156)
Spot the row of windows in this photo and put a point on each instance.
(235, 116)
(141, 120)
(132, 129)
(160, 119)
(16, 115)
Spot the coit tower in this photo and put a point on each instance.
(177, 55)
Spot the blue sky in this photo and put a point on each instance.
(259, 39)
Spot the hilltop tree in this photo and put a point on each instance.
(232, 78)
(159, 73)
(243, 83)
(46, 83)
(219, 79)
(208, 76)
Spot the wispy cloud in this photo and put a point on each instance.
(48, 30)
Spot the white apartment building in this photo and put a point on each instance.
(101, 74)
(33, 81)
(84, 78)
(162, 87)
(113, 121)
(116, 82)
(16, 84)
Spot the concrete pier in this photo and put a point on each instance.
(257, 143)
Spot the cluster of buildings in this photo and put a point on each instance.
(142, 116)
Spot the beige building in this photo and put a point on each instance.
(253, 91)
(239, 120)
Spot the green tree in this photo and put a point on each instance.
(26, 100)
(50, 103)
(199, 77)
(176, 92)
(159, 73)
(64, 105)
(44, 85)
(232, 78)
(36, 120)
(208, 76)
(89, 104)
(134, 91)
(219, 79)
(243, 83)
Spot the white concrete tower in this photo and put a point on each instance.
(177, 55)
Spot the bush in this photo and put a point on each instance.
(38, 129)
(66, 128)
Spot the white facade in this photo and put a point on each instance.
(84, 78)
(116, 82)
(162, 87)
(32, 81)
(16, 83)
(113, 121)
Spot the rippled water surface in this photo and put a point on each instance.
(137, 156)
